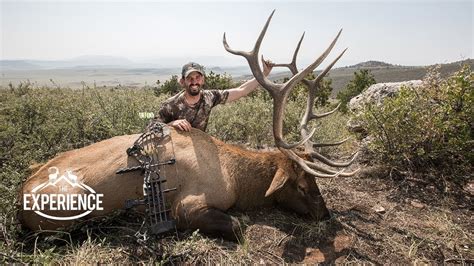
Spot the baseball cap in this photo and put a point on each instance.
(191, 67)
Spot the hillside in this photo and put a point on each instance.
(370, 64)
(383, 72)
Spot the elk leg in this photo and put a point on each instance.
(209, 221)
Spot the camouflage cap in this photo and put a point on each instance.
(191, 67)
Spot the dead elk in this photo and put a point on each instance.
(210, 176)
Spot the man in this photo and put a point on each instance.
(192, 107)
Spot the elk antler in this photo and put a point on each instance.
(280, 92)
(313, 87)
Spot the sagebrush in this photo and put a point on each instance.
(426, 127)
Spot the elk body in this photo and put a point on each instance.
(213, 177)
(210, 176)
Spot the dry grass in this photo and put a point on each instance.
(435, 230)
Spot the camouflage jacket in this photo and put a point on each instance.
(197, 115)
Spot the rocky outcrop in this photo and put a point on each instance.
(378, 92)
(375, 94)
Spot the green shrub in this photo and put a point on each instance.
(361, 81)
(170, 87)
(213, 81)
(427, 126)
(37, 123)
(246, 121)
(219, 81)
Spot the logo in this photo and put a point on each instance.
(146, 115)
(61, 195)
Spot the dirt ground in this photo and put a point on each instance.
(378, 217)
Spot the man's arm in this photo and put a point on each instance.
(249, 86)
(165, 116)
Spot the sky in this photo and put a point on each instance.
(416, 32)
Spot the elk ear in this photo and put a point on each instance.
(278, 181)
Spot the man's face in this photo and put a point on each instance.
(193, 83)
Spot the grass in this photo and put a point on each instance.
(33, 122)
(39, 122)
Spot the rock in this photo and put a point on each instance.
(378, 209)
(314, 256)
(417, 204)
(375, 94)
(378, 92)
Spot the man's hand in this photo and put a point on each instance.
(181, 124)
(249, 86)
(267, 66)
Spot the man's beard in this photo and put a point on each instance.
(194, 92)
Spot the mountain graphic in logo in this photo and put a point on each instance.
(67, 199)
(69, 178)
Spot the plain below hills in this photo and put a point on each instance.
(119, 71)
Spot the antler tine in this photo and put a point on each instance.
(329, 162)
(310, 167)
(279, 92)
(327, 171)
(315, 116)
(326, 70)
(317, 145)
(292, 64)
(299, 76)
(252, 59)
(304, 165)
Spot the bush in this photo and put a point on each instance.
(213, 81)
(431, 126)
(219, 82)
(37, 123)
(249, 121)
(170, 87)
(361, 81)
(245, 121)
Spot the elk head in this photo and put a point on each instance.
(310, 164)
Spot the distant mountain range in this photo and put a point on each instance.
(103, 61)
(112, 70)
(77, 62)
